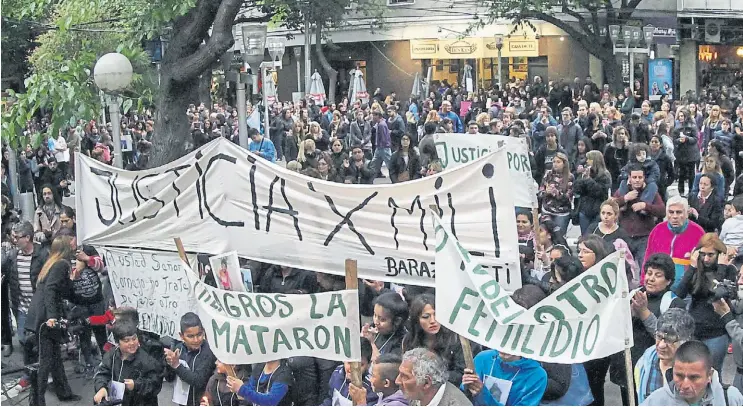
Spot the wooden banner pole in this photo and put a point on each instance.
(352, 283)
(181, 250)
(629, 369)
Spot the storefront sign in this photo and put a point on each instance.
(522, 47)
(460, 49)
(423, 49)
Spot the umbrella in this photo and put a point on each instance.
(269, 87)
(317, 89)
(467, 78)
(358, 88)
(417, 86)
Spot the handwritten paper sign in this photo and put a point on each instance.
(152, 282)
(223, 198)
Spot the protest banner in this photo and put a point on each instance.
(154, 284)
(587, 318)
(460, 149)
(245, 328)
(223, 198)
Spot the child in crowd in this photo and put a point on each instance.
(390, 315)
(218, 392)
(640, 153)
(127, 372)
(341, 380)
(192, 360)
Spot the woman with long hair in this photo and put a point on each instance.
(556, 191)
(53, 286)
(665, 163)
(712, 169)
(406, 164)
(425, 332)
(616, 155)
(716, 148)
(293, 138)
(319, 136)
(704, 207)
(592, 185)
(308, 154)
(710, 126)
(685, 149)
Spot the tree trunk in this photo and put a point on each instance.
(193, 49)
(332, 73)
(205, 88)
(612, 72)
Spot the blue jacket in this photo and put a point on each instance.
(265, 147)
(338, 382)
(528, 376)
(458, 126)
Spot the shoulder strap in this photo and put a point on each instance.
(665, 302)
(725, 388)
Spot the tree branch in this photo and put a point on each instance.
(587, 40)
(221, 39)
(581, 20)
(629, 8)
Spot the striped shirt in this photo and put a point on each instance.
(24, 280)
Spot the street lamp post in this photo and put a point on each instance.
(297, 54)
(276, 47)
(499, 46)
(254, 40)
(632, 39)
(112, 74)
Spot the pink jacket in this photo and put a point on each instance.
(679, 247)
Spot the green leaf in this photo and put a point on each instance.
(64, 68)
(127, 105)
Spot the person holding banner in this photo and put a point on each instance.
(217, 391)
(500, 379)
(339, 386)
(269, 384)
(382, 383)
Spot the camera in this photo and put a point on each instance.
(724, 289)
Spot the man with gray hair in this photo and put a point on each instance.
(674, 327)
(677, 236)
(422, 378)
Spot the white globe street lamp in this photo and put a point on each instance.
(112, 74)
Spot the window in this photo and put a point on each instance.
(398, 2)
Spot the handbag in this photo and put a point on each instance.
(579, 392)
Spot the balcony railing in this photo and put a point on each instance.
(710, 5)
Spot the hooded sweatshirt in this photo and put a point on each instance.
(394, 399)
(668, 395)
(529, 379)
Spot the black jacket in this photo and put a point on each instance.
(707, 323)
(592, 191)
(363, 175)
(146, 373)
(47, 302)
(543, 161)
(398, 166)
(687, 152)
(274, 282)
(615, 159)
(558, 380)
(710, 214)
(667, 172)
(201, 364)
(10, 265)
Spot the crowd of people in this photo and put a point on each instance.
(604, 164)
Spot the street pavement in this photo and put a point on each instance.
(82, 383)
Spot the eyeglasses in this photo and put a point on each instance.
(667, 338)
